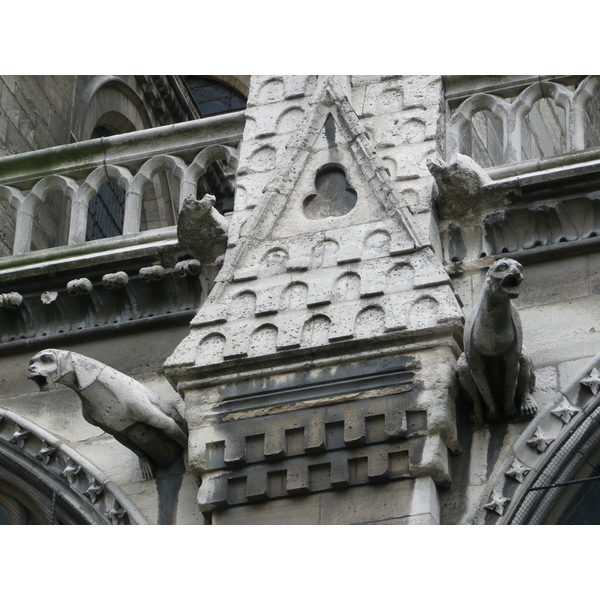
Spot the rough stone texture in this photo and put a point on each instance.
(296, 283)
(411, 502)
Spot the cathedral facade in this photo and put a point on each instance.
(299, 299)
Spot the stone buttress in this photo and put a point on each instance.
(318, 376)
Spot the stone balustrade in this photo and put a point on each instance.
(72, 175)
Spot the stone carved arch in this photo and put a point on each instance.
(106, 94)
(263, 159)
(523, 105)
(242, 305)
(324, 254)
(160, 167)
(263, 340)
(200, 164)
(274, 261)
(88, 190)
(271, 90)
(211, 349)
(376, 244)
(11, 200)
(586, 92)
(400, 277)
(315, 331)
(38, 195)
(560, 445)
(47, 482)
(464, 113)
(346, 287)
(369, 322)
(294, 296)
(289, 120)
(423, 313)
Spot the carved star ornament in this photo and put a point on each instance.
(592, 381)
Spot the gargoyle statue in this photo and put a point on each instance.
(459, 185)
(495, 367)
(201, 229)
(137, 418)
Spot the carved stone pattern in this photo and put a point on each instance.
(592, 381)
(565, 411)
(46, 453)
(154, 273)
(308, 474)
(11, 300)
(77, 287)
(497, 503)
(518, 470)
(191, 267)
(115, 280)
(19, 437)
(59, 465)
(540, 441)
(71, 471)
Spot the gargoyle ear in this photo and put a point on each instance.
(85, 370)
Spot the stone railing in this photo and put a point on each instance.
(506, 124)
(183, 152)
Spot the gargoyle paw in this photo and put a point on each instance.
(146, 467)
(529, 406)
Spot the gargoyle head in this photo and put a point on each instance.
(199, 207)
(44, 368)
(506, 276)
(61, 366)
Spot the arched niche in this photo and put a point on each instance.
(483, 139)
(111, 102)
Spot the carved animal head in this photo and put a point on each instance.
(43, 369)
(60, 366)
(505, 276)
(199, 207)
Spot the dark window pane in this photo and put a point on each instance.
(213, 97)
(106, 212)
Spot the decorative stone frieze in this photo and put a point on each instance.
(154, 273)
(115, 280)
(79, 287)
(518, 470)
(188, 268)
(497, 503)
(11, 300)
(85, 494)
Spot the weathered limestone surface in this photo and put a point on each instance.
(310, 368)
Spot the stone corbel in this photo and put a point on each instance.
(11, 300)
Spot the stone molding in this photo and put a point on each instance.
(512, 114)
(539, 444)
(74, 478)
(79, 195)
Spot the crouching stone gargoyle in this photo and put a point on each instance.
(137, 418)
(495, 367)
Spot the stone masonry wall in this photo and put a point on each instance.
(35, 112)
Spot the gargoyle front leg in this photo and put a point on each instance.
(511, 370)
(477, 368)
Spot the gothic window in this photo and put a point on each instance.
(107, 208)
(106, 212)
(214, 97)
